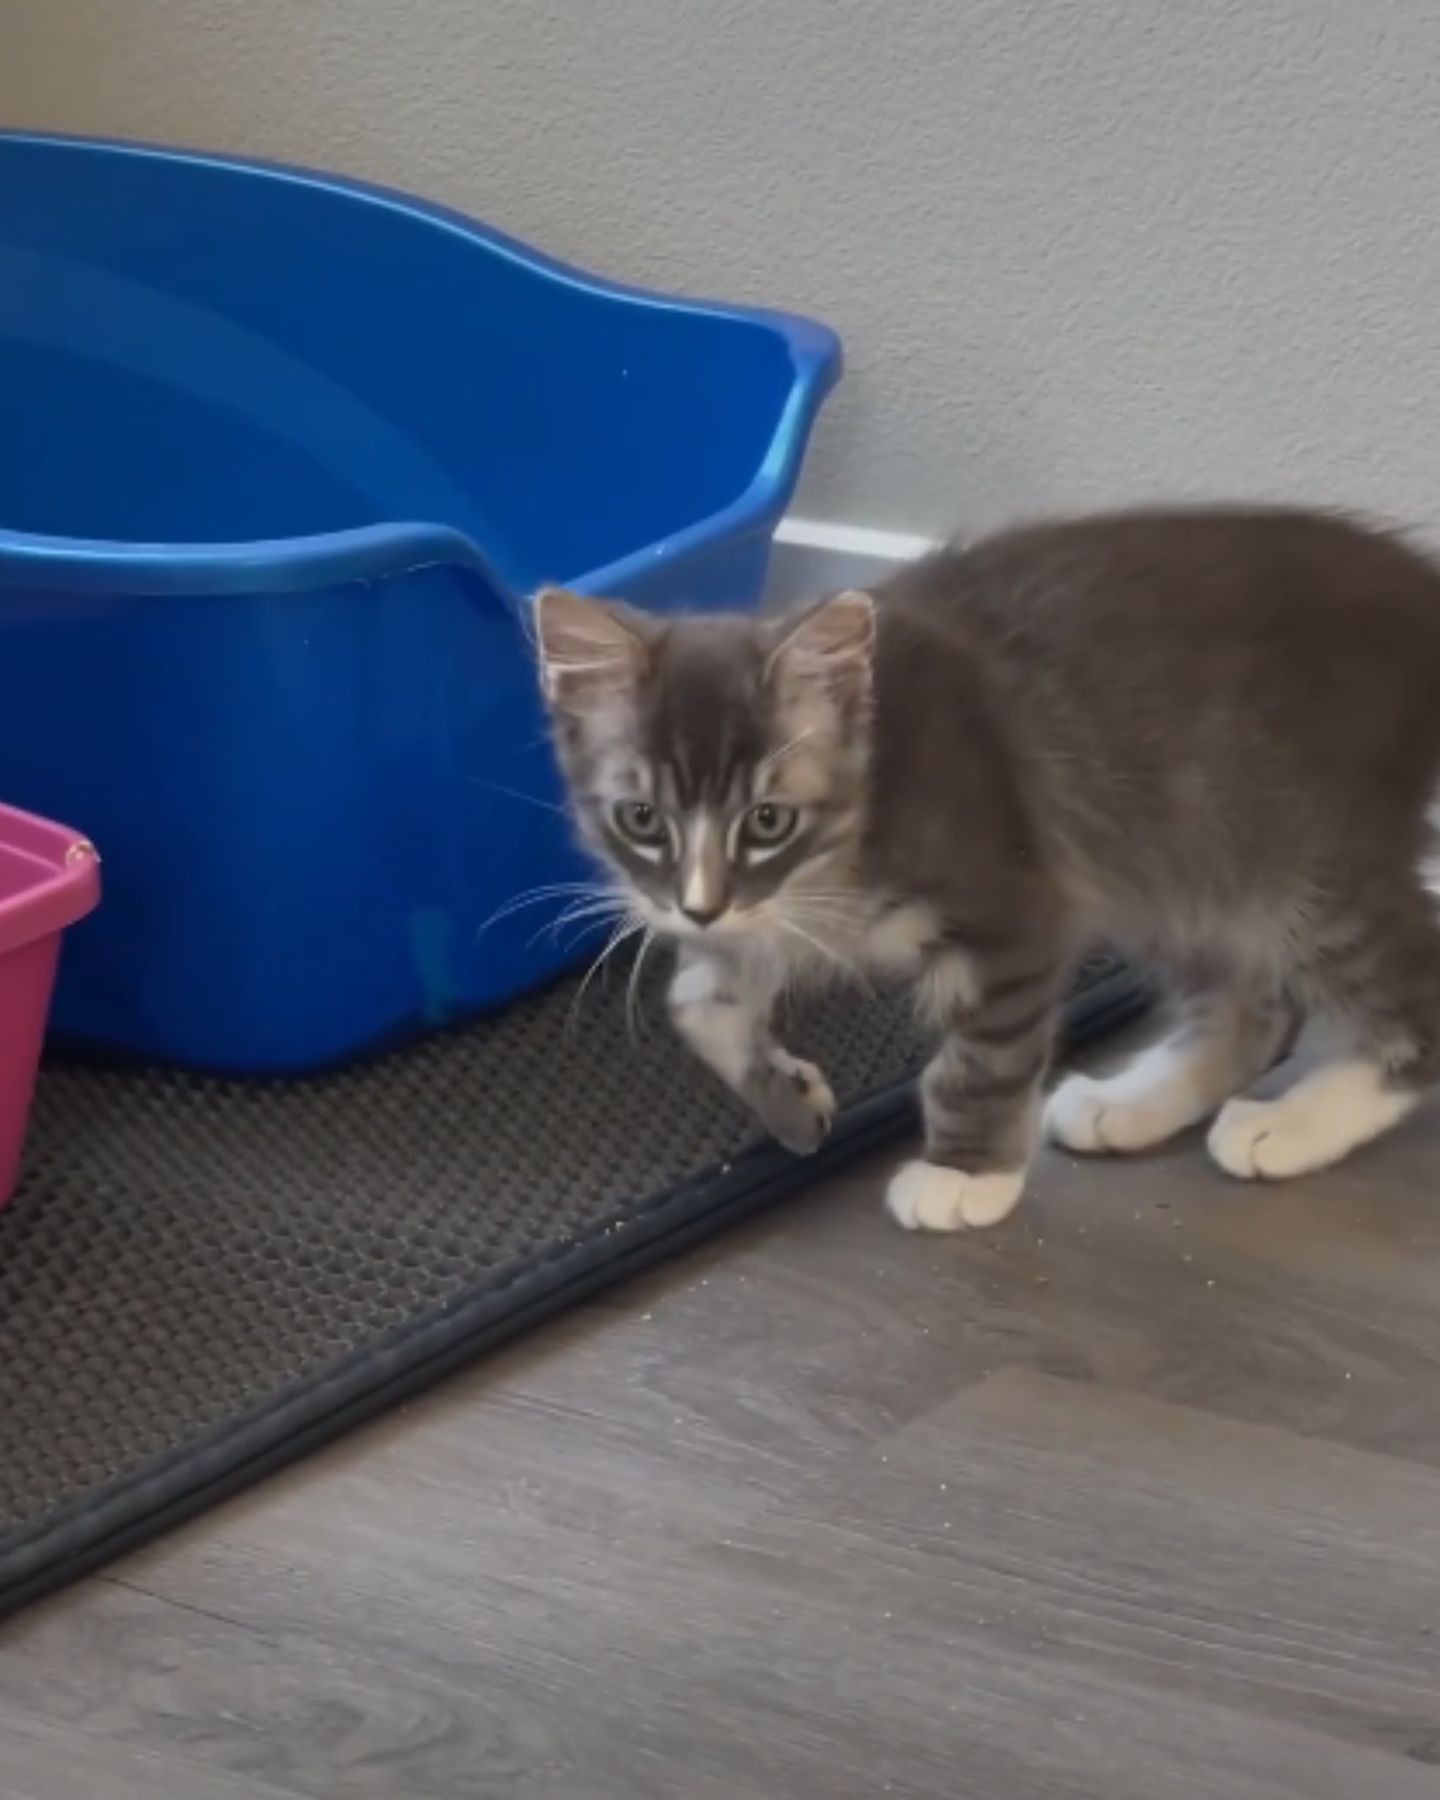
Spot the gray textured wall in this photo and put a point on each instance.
(1080, 252)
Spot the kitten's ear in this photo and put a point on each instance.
(590, 650)
(831, 646)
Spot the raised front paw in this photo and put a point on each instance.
(926, 1197)
(793, 1101)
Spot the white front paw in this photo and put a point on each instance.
(925, 1197)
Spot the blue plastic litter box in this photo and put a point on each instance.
(281, 458)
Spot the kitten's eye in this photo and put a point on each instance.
(768, 824)
(641, 822)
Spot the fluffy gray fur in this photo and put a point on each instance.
(1211, 737)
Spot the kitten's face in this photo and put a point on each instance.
(717, 764)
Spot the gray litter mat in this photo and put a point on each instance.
(201, 1279)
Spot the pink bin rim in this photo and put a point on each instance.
(52, 878)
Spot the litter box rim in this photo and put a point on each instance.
(376, 552)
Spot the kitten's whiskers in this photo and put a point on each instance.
(583, 913)
(549, 891)
(633, 1016)
(623, 932)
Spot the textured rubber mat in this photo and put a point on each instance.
(200, 1279)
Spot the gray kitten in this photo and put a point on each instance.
(1211, 737)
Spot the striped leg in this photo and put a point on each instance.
(981, 1098)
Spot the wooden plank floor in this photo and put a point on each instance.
(1135, 1499)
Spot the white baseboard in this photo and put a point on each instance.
(812, 556)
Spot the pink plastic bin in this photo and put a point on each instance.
(49, 878)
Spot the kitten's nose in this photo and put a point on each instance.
(702, 915)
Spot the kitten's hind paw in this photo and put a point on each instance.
(1326, 1115)
(1100, 1118)
(793, 1101)
(926, 1197)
